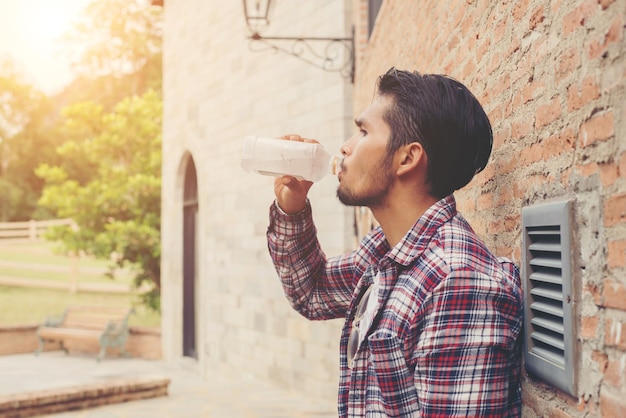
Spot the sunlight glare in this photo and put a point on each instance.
(32, 33)
(50, 23)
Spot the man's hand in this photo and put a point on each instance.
(290, 192)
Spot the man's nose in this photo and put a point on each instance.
(346, 148)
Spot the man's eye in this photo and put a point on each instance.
(363, 132)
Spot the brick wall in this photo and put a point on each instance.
(550, 75)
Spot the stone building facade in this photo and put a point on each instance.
(550, 74)
(221, 299)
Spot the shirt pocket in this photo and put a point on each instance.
(395, 379)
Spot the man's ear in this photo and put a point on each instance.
(412, 158)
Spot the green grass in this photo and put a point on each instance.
(40, 261)
(23, 306)
(29, 272)
(41, 252)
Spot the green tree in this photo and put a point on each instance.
(114, 194)
(115, 51)
(26, 133)
(107, 177)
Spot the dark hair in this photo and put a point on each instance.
(444, 116)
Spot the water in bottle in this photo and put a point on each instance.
(279, 157)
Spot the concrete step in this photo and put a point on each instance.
(109, 391)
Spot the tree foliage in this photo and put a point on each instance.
(93, 151)
(26, 139)
(116, 48)
(107, 176)
(110, 185)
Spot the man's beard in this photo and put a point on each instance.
(375, 196)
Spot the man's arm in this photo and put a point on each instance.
(468, 348)
(316, 287)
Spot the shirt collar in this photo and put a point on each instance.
(417, 238)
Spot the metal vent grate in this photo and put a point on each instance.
(547, 272)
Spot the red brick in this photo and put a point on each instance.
(503, 197)
(606, 3)
(457, 18)
(557, 144)
(568, 61)
(615, 210)
(466, 206)
(614, 375)
(453, 42)
(502, 84)
(506, 165)
(597, 128)
(513, 48)
(500, 29)
(500, 225)
(608, 172)
(601, 359)
(484, 201)
(532, 90)
(615, 333)
(468, 69)
(616, 254)
(484, 176)
(468, 24)
(593, 290)
(505, 251)
(589, 327)
(521, 128)
(565, 176)
(548, 112)
(612, 405)
(517, 253)
(621, 168)
(528, 155)
(613, 35)
(494, 114)
(501, 135)
(579, 97)
(614, 294)
(557, 413)
(482, 49)
(507, 108)
(577, 17)
(520, 9)
(536, 17)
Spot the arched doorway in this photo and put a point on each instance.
(190, 222)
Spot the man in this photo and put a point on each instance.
(432, 317)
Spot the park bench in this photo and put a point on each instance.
(108, 325)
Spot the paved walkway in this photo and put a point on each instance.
(220, 396)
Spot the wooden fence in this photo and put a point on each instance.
(29, 230)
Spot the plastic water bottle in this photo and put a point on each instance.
(280, 157)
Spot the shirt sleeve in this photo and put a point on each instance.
(464, 358)
(316, 287)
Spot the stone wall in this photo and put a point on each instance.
(216, 91)
(550, 74)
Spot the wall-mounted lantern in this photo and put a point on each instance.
(334, 54)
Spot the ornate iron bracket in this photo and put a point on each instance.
(334, 54)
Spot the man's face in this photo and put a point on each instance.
(366, 176)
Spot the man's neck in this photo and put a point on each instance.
(399, 215)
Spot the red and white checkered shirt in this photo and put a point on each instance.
(445, 340)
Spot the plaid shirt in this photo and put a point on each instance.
(444, 341)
